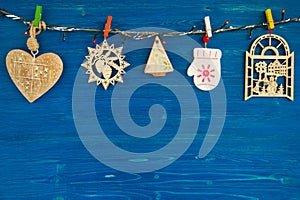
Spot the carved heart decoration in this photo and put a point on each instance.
(33, 76)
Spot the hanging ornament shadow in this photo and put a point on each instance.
(158, 63)
(269, 68)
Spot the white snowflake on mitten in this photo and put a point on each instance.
(206, 68)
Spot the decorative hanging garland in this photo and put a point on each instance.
(105, 64)
(144, 35)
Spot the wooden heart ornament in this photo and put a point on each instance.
(33, 76)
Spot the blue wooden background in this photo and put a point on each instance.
(42, 156)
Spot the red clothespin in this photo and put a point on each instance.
(107, 26)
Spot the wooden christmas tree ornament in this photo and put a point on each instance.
(158, 63)
(32, 75)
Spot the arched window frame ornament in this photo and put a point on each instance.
(263, 70)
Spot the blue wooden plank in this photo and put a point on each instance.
(42, 156)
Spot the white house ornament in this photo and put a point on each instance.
(158, 63)
(105, 64)
(269, 68)
(206, 68)
(32, 75)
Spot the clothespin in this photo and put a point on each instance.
(208, 31)
(37, 16)
(270, 20)
(107, 26)
(207, 26)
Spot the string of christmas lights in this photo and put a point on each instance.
(143, 35)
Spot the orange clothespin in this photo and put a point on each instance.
(107, 26)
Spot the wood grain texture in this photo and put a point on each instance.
(33, 76)
(42, 157)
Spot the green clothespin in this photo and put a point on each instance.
(38, 15)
